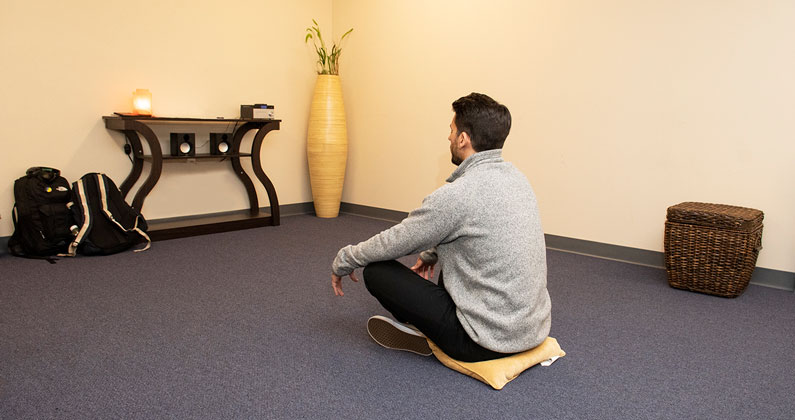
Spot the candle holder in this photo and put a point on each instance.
(142, 102)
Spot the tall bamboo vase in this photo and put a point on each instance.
(327, 145)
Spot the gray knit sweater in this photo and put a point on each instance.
(485, 228)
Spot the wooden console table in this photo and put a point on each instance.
(133, 126)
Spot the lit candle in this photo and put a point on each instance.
(142, 102)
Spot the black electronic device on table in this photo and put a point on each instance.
(183, 144)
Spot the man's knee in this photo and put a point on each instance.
(383, 277)
(376, 272)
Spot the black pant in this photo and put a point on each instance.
(412, 299)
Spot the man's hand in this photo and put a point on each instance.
(336, 283)
(424, 269)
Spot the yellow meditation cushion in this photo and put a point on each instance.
(498, 372)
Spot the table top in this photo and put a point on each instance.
(150, 118)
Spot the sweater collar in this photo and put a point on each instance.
(486, 156)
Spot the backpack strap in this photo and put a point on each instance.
(79, 189)
(14, 217)
(106, 210)
(15, 248)
(13, 244)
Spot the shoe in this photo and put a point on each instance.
(393, 335)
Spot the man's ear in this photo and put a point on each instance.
(464, 140)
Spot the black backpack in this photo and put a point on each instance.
(42, 219)
(106, 224)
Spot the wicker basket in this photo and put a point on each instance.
(712, 248)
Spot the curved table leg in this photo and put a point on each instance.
(244, 178)
(138, 163)
(257, 164)
(157, 164)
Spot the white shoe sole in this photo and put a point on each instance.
(393, 335)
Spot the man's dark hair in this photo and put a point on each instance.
(486, 121)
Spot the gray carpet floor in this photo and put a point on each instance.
(245, 325)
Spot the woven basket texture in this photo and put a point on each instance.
(712, 248)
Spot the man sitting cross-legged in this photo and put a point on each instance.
(483, 231)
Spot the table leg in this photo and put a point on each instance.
(138, 162)
(238, 168)
(157, 164)
(256, 162)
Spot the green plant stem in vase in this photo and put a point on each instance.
(328, 62)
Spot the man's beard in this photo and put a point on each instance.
(455, 159)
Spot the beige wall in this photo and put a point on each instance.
(65, 64)
(621, 108)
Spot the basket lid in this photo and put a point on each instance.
(716, 215)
